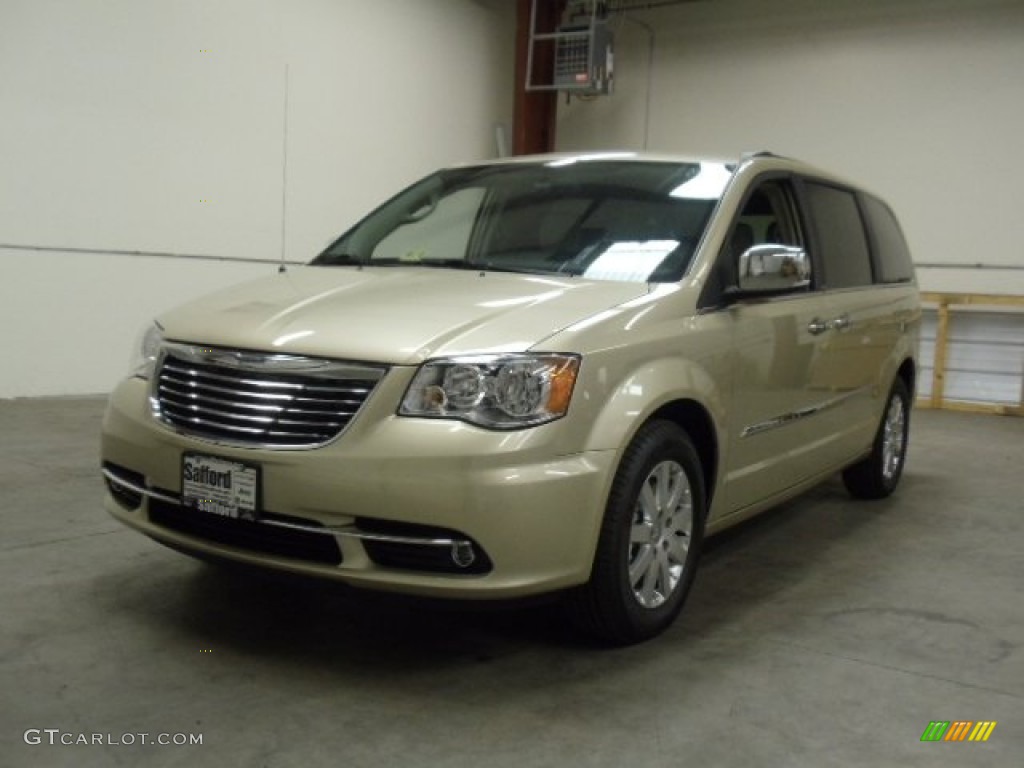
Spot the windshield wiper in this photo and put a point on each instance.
(489, 267)
(348, 259)
(351, 259)
(337, 259)
(436, 263)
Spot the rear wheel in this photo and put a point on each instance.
(877, 476)
(650, 540)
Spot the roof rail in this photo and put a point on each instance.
(757, 153)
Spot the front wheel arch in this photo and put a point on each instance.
(695, 420)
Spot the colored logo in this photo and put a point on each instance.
(958, 730)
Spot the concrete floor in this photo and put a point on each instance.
(825, 633)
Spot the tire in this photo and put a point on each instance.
(877, 476)
(650, 540)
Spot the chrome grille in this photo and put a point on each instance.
(256, 399)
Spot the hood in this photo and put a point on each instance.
(396, 315)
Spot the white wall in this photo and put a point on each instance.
(919, 100)
(157, 125)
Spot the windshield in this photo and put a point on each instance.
(605, 220)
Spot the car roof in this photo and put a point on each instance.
(610, 155)
(761, 160)
(749, 163)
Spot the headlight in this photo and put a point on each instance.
(495, 391)
(146, 351)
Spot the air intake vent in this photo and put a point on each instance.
(241, 534)
(253, 399)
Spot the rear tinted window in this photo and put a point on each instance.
(844, 246)
(892, 257)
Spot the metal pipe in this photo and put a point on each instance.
(976, 265)
(284, 171)
(650, 76)
(624, 6)
(149, 254)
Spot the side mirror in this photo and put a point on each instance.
(771, 268)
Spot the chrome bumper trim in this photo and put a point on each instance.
(350, 534)
(120, 481)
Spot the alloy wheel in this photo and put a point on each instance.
(660, 534)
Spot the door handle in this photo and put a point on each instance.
(840, 323)
(817, 325)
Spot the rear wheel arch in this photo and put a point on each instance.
(877, 474)
(908, 372)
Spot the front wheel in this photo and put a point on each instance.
(877, 476)
(650, 540)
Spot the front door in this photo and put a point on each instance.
(783, 415)
(785, 407)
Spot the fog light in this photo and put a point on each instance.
(463, 554)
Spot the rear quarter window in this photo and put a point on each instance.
(892, 256)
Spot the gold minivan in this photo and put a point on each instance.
(545, 374)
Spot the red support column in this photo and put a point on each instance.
(534, 113)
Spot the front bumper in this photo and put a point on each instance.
(388, 486)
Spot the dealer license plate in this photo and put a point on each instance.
(219, 486)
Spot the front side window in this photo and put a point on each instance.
(768, 217)
(603, 220)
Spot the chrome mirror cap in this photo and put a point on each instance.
(771, 267)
